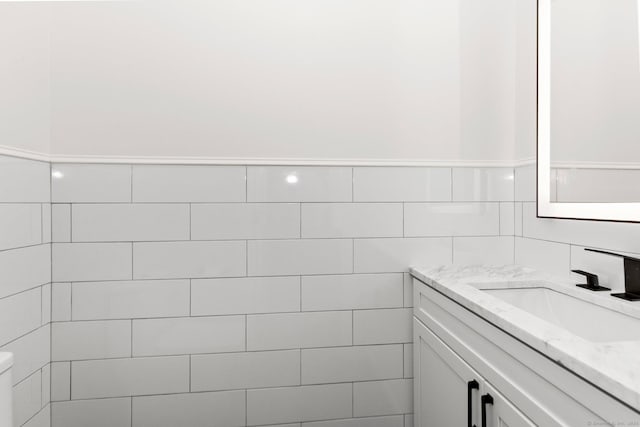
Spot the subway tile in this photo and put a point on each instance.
(336, 220)
(130, 299)
(90, 183)
(94, 413)
(46, 223)
(188, 335)
(46, 304)
(518, 219)
(245, 370)
(408, 360)
(298, 184)
(158, 183)
(525, 184)
(293, 404)
(90, 340)
(553, 258)
(507, 219)
(347, 364)
(129, 222)
(353, 291)
(60, 381)
(383, 398)
(296, 257)
(29, 180)
(78, 262)
(30, 353)
(391, 421)
(60, 302)
(483, 250)
(408, 290)
(245, 221)
(247, 295)
(19, 314)
(46, 384)
(61, 223)
(382, 326)
(24, 269)
(408, 420)
(27, 399)
(20, 225)
(222, 409)
(397, 255)
(451, 219)
(299, 330)
(401, 184)
(483, 184)
(176, 260)
(129, 377)
(41, 419)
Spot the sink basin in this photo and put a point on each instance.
(582, 318)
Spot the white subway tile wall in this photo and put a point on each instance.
(252, 296)
(247, 296)
(25, 290)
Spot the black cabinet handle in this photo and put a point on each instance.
(485, 400)
(471, 385)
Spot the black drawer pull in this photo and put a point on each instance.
(471, 385)
(485, 400)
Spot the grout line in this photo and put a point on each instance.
(213, 353)
(289, 386)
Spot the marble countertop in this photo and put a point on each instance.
(612, 366)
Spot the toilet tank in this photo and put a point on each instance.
(6, 362)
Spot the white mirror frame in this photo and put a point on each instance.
(625, 212)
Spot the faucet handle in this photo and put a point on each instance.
(593, 283)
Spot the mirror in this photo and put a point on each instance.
(589, 109)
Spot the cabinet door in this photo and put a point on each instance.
(442, 381)
(501, 413)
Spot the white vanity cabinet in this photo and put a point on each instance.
(459, 357)
(450, 392)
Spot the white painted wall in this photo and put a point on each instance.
(526, 75)
(24, 77)
(319, 79)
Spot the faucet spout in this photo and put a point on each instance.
(631, 275)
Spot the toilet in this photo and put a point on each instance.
(6, 362)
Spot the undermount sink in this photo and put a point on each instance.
(582, 318)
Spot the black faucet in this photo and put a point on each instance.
(631, 276)
(593, 283)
